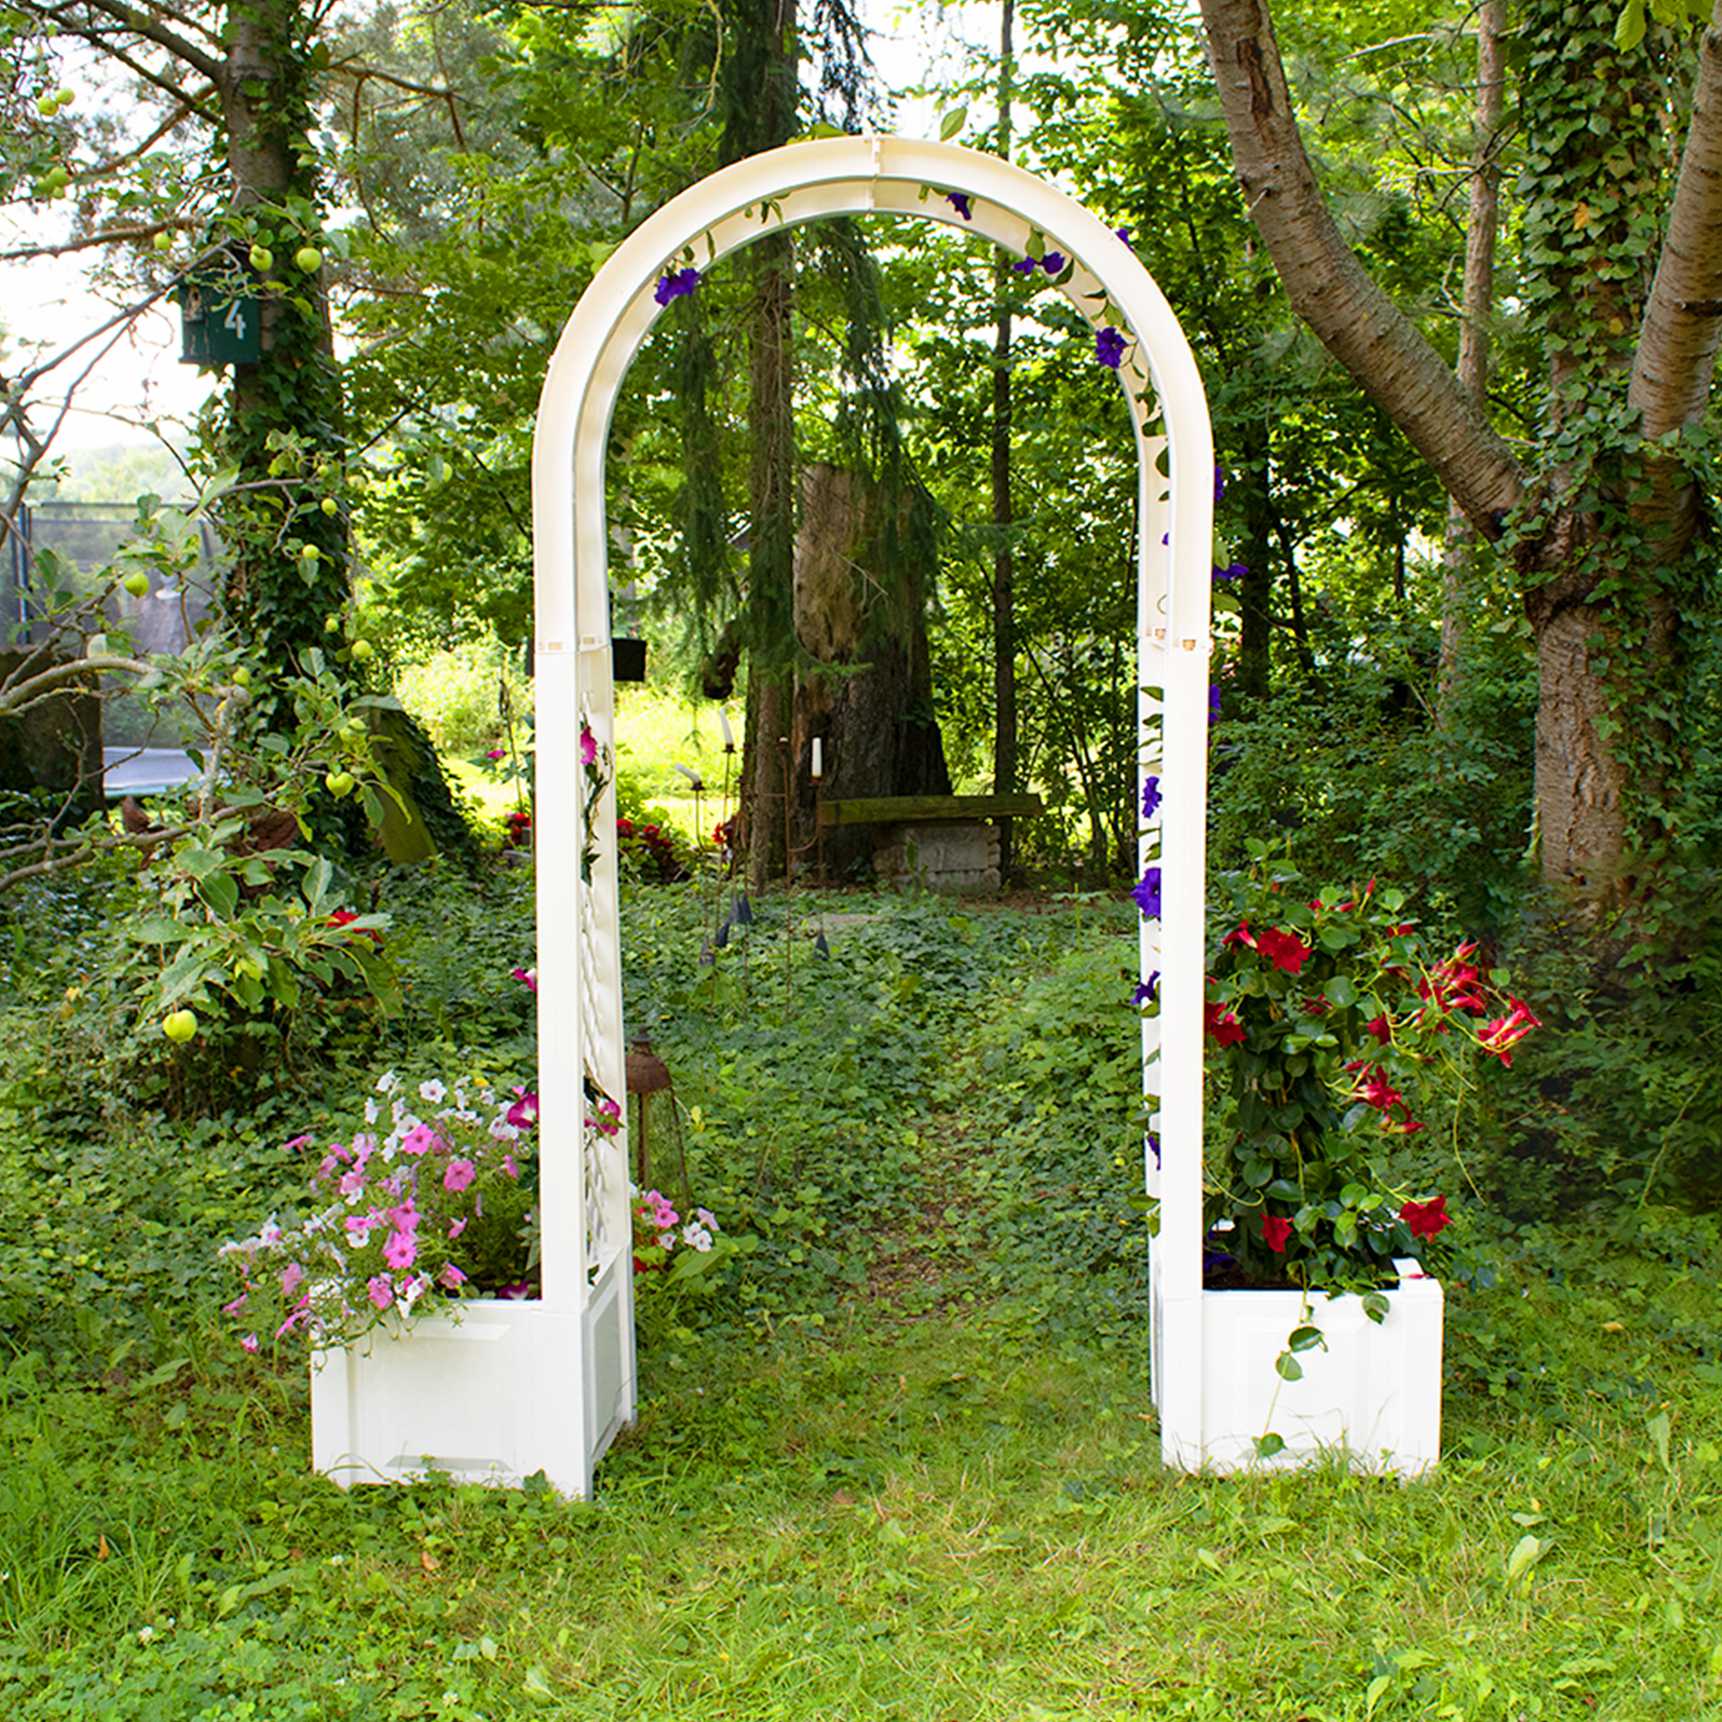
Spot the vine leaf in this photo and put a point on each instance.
(957, 118)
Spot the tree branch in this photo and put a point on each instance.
(139, 22)
(1328, 285)
(1682, 328)
(113, 236)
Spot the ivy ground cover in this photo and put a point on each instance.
(898, 1461)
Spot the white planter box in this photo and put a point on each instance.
(1372, 1397)
(491, 1394)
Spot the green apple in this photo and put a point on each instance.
(164, 242)
(308, 259)
(262, 259)
(137, 583)
(242, 677)
(309, 552)
(338, 783)
(63, 98)
(362, 650)
(179, 1026)
(331, 624)
(330, 506)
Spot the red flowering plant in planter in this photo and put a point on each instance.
(1336, 1039)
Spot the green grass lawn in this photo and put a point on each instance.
(905, 1467)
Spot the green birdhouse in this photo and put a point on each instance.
(220, 325)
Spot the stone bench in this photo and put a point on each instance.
(942, 842)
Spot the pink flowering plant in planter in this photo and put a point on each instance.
(430, 1199)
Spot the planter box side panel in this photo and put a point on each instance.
(489, 1398)
(1372, 1395)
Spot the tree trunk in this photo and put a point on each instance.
(1005, 739)
(873, 715)
(1477, 304)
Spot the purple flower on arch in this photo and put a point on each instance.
(1147, 991)
(1219, 483)
(1154, 1147)
(1053, 262)
(1147, 894)
(959, 201)
(1213, 702)
(1232, 571)
(1024, 266)
(1109, 347)
(1124, 234)
(1150, 796)
(677, 284)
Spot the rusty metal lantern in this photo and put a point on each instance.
(649, 1075)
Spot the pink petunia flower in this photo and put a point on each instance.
(456, 1227)
(382, 1293)
(401, 1251)
(451, 1276)
(523, 1114)
(291, 1275)
(459, 1174)
(419, 1140)
(249, 1342)
(528, 978)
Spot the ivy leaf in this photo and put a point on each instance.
(1629, 30)
(1305, 1338)
(957, 118)
(1287, 1367)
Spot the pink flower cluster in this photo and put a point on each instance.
(656, 1235)
(395, 1198)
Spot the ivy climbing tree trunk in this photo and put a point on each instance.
(1598, 521)
(284, 413)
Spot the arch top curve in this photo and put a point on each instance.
(856, 175)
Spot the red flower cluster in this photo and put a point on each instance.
(346, 917)
(1286, 951)
(519, 828)
(1453, 985)
(652, 845)
(1426, 1218)
(1507, 1031)
(1222, 1024)
(1277, 1232)
(1374, 1089)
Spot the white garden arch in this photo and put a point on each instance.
(516, 1388)
(585, 1217)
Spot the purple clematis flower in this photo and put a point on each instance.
(1124, 234)
(1147, 991)
(1219, 482)
(1150, 796)
(678, 284)
(1052, 262)
(1024, 266)
(1147, 894)
(959, 201)
(1232, 571)
(1213, 702)
(1154, 1146)
(1109, 347)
